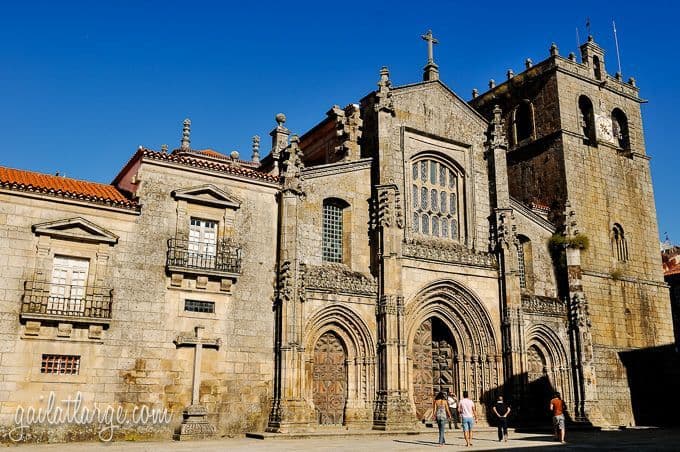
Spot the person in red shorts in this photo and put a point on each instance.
(557, 408)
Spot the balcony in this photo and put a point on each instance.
(222, 261)
(45, 301)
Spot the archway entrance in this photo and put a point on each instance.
(539, 388)
(433, 364)
(330, 379)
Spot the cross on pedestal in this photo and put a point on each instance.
(195, 424)
(431, 69)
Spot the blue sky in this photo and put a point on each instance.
(82, 85)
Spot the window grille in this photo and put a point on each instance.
(521, 266)
(199, 306)
(60, 364)
(332, 232)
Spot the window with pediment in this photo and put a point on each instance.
(436, 188)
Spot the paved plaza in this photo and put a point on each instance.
(638, 439)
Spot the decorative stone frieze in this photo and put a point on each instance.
(537, 304)
(442, 251)
(338, 277)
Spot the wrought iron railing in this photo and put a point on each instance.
(64, 300)
(223, 256)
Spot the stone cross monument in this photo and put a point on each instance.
(195, 424)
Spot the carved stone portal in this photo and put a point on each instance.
(330, 379)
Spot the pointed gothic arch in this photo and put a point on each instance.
(477, 360)
(358, 343)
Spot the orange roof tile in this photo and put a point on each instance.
(21, 180)
(187, 158)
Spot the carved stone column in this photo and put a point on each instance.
(290, 410)
(586, 401)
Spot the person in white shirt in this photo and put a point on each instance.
(453, 407)
(468, 412)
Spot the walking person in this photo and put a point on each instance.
(501, 410)
(557, 408)
(468, 412)
(440, 408)
(453, 408)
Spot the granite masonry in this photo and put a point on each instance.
(407, 244)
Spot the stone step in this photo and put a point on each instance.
(340, 433)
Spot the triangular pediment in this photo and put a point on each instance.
(208, 195)
(441, 87)
(76, 229)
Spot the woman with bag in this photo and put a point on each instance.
(440, 408)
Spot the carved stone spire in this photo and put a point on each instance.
(279, 140)
(186, 133)
(431, 70)
(384, 95)
(256, 149)
(496, 130)
(292, 167)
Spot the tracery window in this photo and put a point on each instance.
(619, 244)
(435, 189)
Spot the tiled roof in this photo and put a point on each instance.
(64, 187)
(198, 162)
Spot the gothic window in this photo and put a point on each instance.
(597, 67)
(619, 244)
(523, 122)
(586, 118)
(620, 129)
(332, 235)
(525, 262)
(436, 185)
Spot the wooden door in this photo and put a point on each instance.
(330, 379)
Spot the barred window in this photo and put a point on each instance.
(60, 364)
(332, 230)
(525, 262)
(521, 267)
(436, 185)
(199, 306)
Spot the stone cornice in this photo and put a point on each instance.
(331, 169)
(338, 278)
(543, 305)
(59, 199)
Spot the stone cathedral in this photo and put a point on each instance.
(410, 242)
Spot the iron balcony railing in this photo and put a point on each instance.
(45, 299)
(221, 257)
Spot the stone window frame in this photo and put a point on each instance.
(206, 202)
(518, 141)
(525, 262)
(586, 125)
(619, 243)
(78, 238)
(622, 132)
(345, 232)
(415, 203)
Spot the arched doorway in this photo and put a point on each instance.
(433, 364)
(452, 346)
(329, 379)
(539, 388)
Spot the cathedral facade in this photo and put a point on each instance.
(410, 243)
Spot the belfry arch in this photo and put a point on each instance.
(460, 325)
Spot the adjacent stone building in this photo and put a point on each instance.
(410, 243)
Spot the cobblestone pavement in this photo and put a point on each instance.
(647, 439)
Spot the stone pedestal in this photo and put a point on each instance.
(195, 424)
(394, 412)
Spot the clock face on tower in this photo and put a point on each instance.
(604, 128)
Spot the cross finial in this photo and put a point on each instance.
(431, 40)
(431, 69)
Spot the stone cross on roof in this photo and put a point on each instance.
(431, 69)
